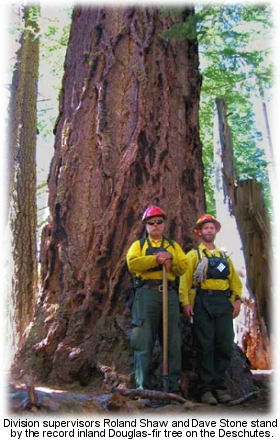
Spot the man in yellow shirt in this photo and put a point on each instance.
(210, 293)
(145, 263)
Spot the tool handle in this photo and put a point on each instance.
(165, 325)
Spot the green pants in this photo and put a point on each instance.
(147, 324)
(214, 335)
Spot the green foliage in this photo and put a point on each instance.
(235, 49)
(183, 30)
(54, 35)
(53, 45)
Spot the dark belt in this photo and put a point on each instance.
(210, 292)
(156, 285)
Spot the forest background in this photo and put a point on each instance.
(273, 114)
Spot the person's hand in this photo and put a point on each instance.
(165, 258)
(236, 308)
(188, 311)
(168, 264)
(162, 256)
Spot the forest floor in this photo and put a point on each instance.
(75, 399)
(258, 404)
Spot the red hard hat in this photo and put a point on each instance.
(153, 211)
(206, 218)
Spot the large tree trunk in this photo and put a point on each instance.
(127, 136)
(22, 168)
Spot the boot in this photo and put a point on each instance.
(208, 398)
(222, 396)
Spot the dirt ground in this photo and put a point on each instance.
(260, 403)
(78, 400)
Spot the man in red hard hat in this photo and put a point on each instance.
(210, 293)
(145, 260)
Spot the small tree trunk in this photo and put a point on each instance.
(23, 212)
(269, 151)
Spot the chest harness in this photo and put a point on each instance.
(217, 269)
(151, 250)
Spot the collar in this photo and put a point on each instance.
(208, 251)
(158, 242)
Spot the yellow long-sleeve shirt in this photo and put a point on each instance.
(187, 287)
(139, 263)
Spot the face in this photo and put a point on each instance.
(208, 232)
(155, 226)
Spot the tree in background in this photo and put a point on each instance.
(247, 233)
(235, 50)
(235, 45)
(22, 178)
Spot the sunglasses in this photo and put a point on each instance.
(155, 222)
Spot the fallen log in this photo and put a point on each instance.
(149, 394)
(243, 398)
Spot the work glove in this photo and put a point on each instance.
(200, 273)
